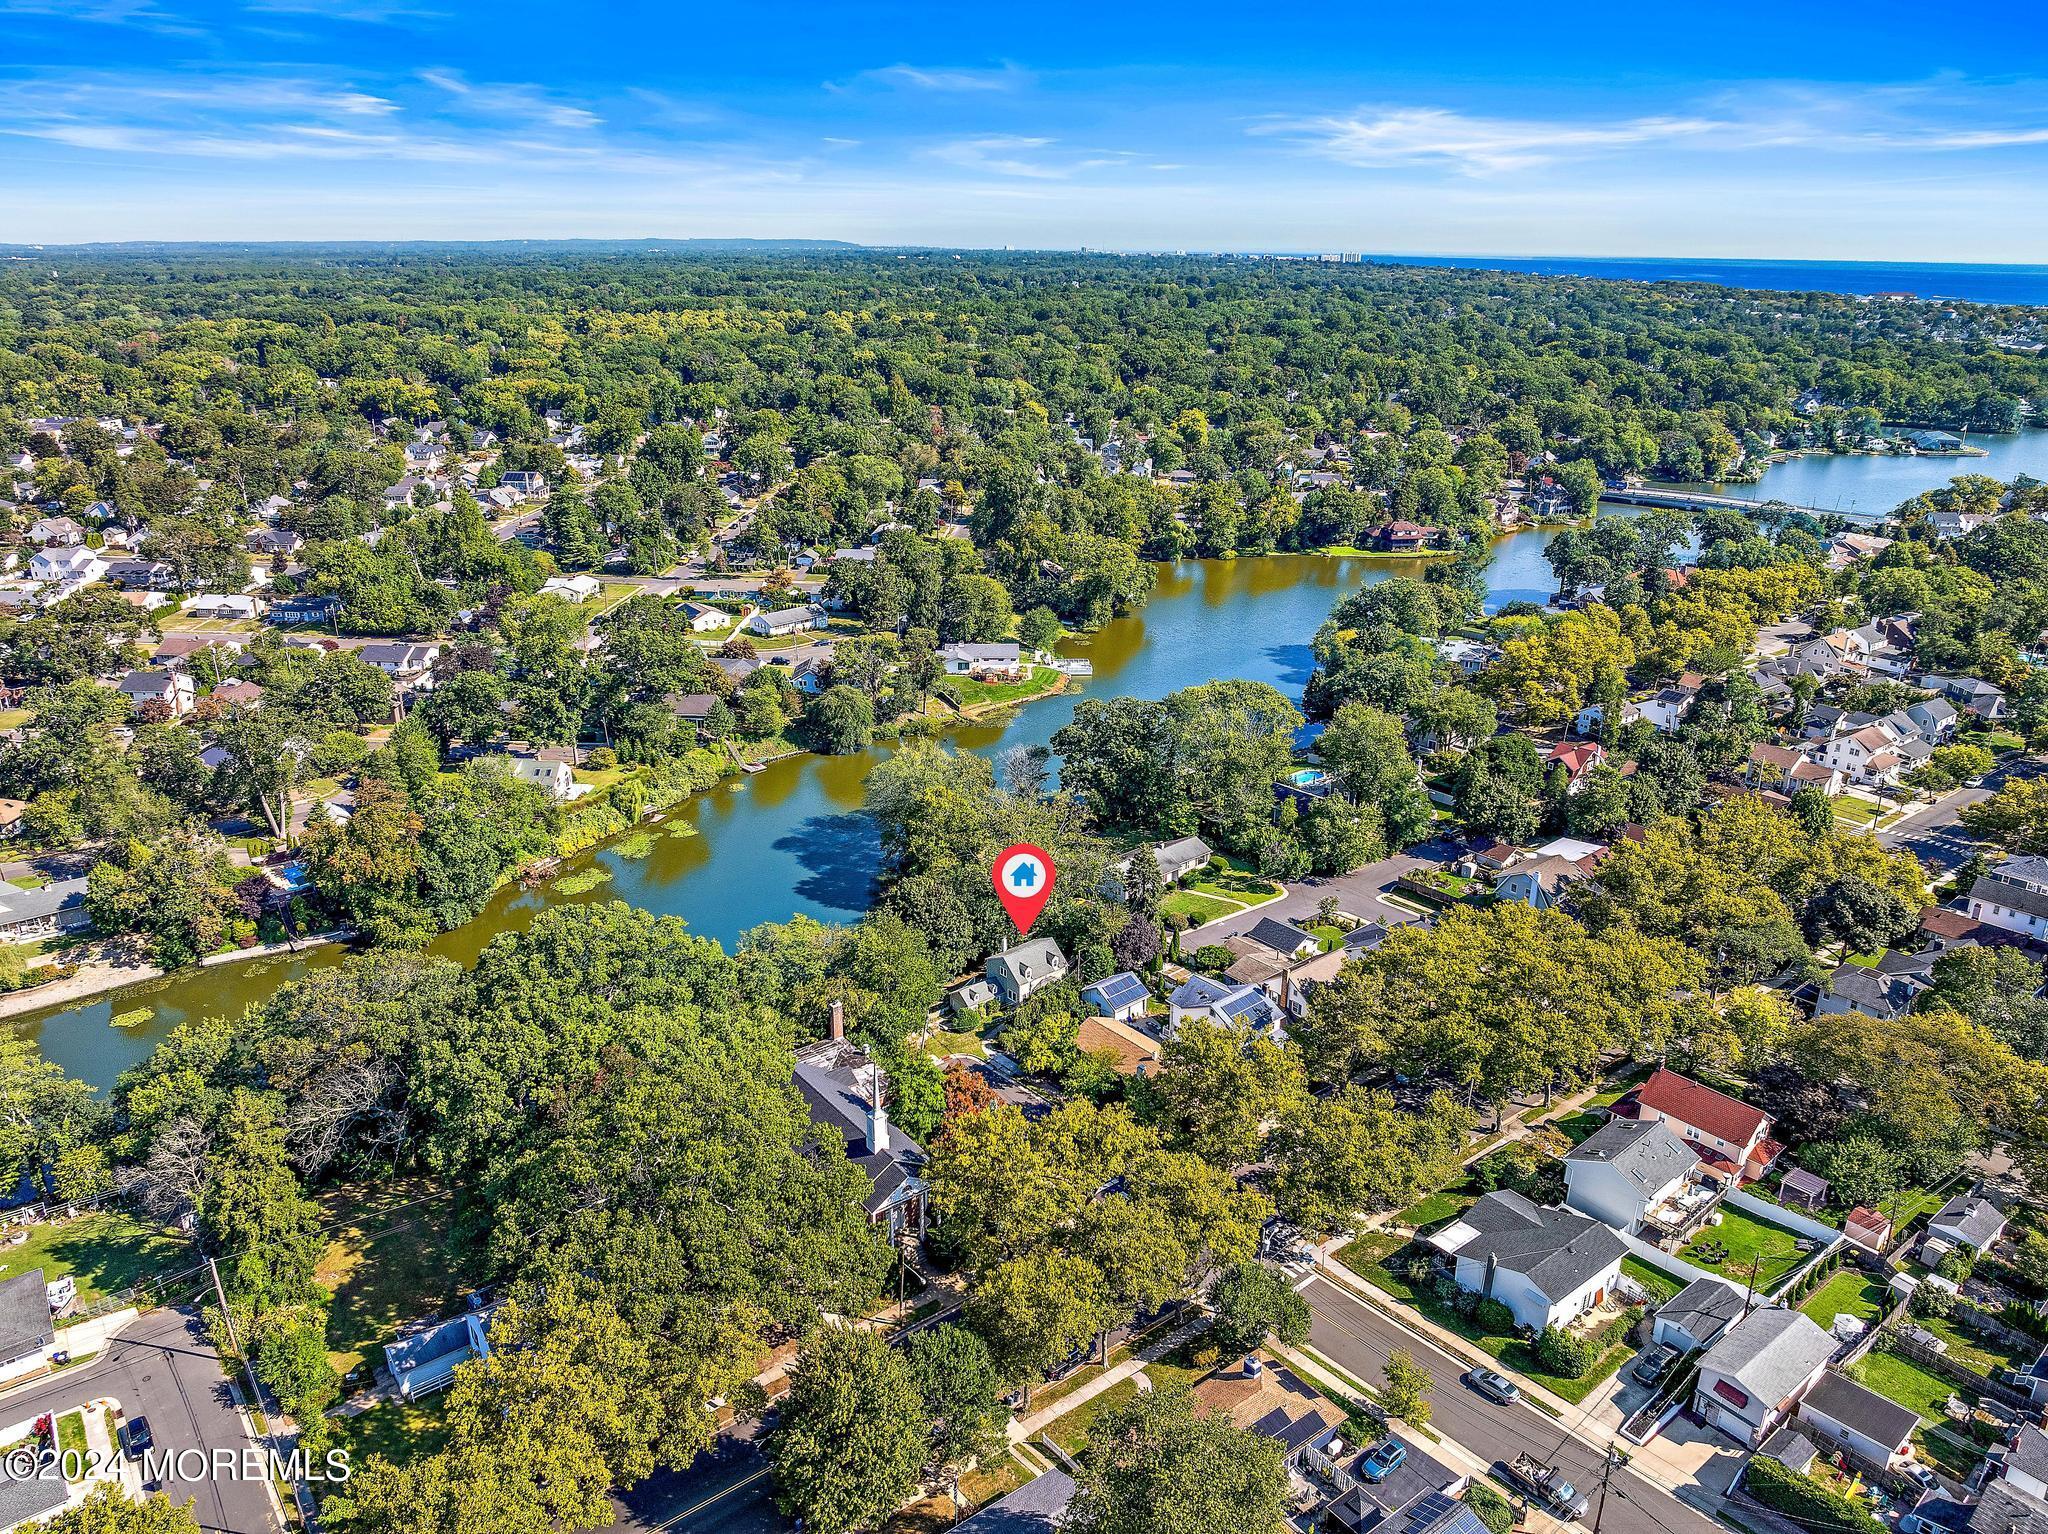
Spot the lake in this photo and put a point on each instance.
(791, 839)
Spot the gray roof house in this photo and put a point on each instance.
(426, 1360)
(26, 1332)
(1865, 1423)
(1122, 996)
(1968, 1219)
(35, 1494)
(1751, 1379)
(1036, 1507)
(843, 1090)
(1885, 997)
(1625, 1169)
(1548, 1266)
(1031, 966)
(1697, 1314)
(1177, 859)
(1282, 937)
(26, 915)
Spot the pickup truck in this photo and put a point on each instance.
(1546, 1485)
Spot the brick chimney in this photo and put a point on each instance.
(838, 1027)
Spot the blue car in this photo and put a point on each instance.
(1383, 1459)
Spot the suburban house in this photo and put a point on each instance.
(400, 661)
(1875, 994)
(1626, 1169)
(1019, 973)
(234, 606)
(843, 1090)
(11, 811)
(1282, 937)
(67, 565)
(1869, 755)
(1402, 537)
(1866, 1424)
(1548, 1266)
(1135, 1052)
(274, 540)
(426, 1360)
(1786, 770)
(1178, 859)
(27, 916)
(26, 1332)
(703, 619)
(1537, 884)
(1732, 1138)
(525, 481)
(1751, 1379)
(1968, 1220)
(304, 610)
(1665, 710)
(552, 768)
(55, 532)
(983, 662)
(786, 620)
(1037, 1507)
(1121, 996)
(1577, 758)
(172, 689)
(572, 588)
(1261, 1395)
(974, 997)
(239, 693)
(1245, 1007)
(1692, 1318)
(1971, 694)
(2013, 897)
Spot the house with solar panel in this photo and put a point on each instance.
(1121, 996)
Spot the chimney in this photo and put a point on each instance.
(1252, 1366)
(838, 1028)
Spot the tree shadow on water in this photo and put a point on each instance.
(840, 855)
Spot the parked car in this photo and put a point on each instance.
(1920, 1475)
(1495, 1387)
(1383, 1459)
(138, 1437)
(1654, 1364)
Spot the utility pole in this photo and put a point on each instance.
(1606, 1474)
(227, 1316)
(1749, 1293)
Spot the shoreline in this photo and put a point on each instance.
(97, 977)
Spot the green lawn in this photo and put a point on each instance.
(942, 1044)
(1579, 1127)
(103, 1253)
(71, 1440)
(1438, 1207)
(972, 694)
(1070, 1432)
(1970, 1349)
(1741, 1239)
(388, 1264)
(1848, 1293)
(396, 1430)
(1660, 1285)
(1331, 938)
(1901, 1380)
(1199, 909)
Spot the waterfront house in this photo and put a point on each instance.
(1399, 537)
(28, 916)
(983, 662)
(1731, 1137)
(551, 768)
(1019, 973)
(1751, 1379)
(1547, 1266)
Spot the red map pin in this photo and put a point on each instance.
(1023, 877)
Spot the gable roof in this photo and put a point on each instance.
(24, 1314)
(2005, 1509)
(1770, 1353)
(1703, 1307)
(833, 1077)
(1840, 1398)
(1114, 991)
(1691, 1102)
(1280, 936)
(1133, 1050)
(1557, 1250)
(1036, 1507)
(1642, 1150)
(1976, 1219)
(1038, 955)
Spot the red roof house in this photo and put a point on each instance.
(1732, 1138)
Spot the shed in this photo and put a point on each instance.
(1801, 1189)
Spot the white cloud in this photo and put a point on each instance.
(919, 77)
(509, 100)
(1007, 154)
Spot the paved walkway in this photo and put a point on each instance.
(1022, 1428)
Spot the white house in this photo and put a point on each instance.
(232, 605)
(705, 619)
(55, 532)
(1625, 1169)
(427, 1360)
(547, 769)
(786, 620)
(1869, 755)
(1121, 996)
(69, 565)
(1665, 711)
(1548, 1266)
(1871, 1427)
(1019, 973)
(1229, 1005)
(1756, 1374)
(572, 588)
(982, 661)
(2013, 897)
(400, 661)
(1968, 1220)
(173, 689)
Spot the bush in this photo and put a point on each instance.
(1564, 1355)
(1932, 1300)
(1495, 1319)
(1806, 1502)
(1493, 1510)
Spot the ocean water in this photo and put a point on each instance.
(1980, 284)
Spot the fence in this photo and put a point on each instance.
(1944, 1367)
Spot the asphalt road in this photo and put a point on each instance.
(164, 1368)
(1360, 1338)
(1933, 833)
(727, 1493)
(1357, 892)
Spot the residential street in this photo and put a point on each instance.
(1360, 1338)
(1932, 832)
(729, 1493)
(164, 1368)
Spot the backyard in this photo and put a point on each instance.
(103, 1253)
(1742, 1245)
(387, 1264)
(1849, 1293)
(400, 1431)
(1900, 1379)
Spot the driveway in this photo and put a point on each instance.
(164, 1368)
(1358, 892)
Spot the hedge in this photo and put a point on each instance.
(1806, 1501)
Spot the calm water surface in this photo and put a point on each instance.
(791, 839)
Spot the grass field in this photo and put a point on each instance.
(102, 1253)
(399, 1431)
(1848, 1293)
(1746, 1239)
(387, 1265)
(972, 694)
(71, 1440)
(1199, 909)
(1901, 1380)
(1659, 1284)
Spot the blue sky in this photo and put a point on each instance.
(1824, 131)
